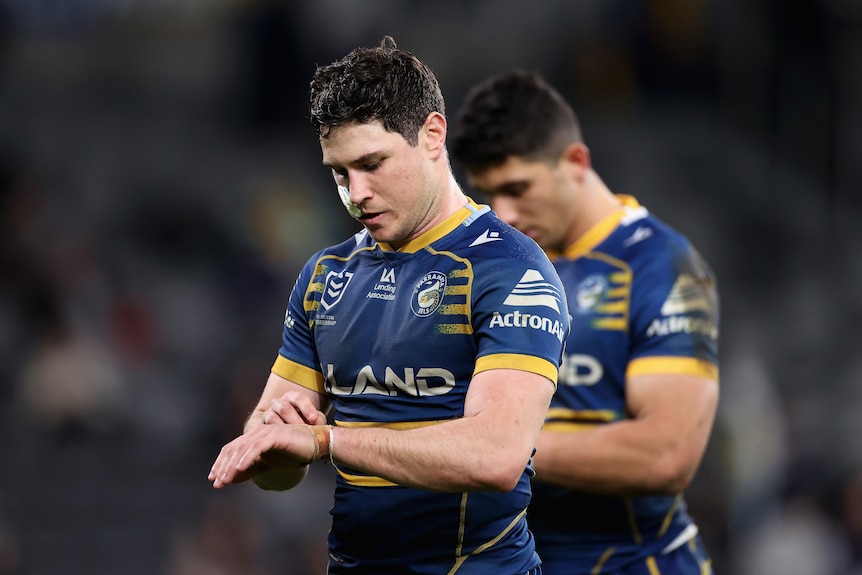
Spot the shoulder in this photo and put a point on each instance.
(668, 272)
(360, 241)
(324, 259)
(647, 243)
(488, 238)
(509, 263)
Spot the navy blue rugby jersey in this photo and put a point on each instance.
(642, 301)
(393, 338)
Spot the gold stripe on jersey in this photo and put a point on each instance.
(618, 292)
(613, 307)
(437, 232)
(298, 374)
(462, 516)
(660, 365)
(652, 566)
(670, 513)
(597, 415)
(311, 303)
(594, 236)
(454, 329)
(597, 568)
(318, 280)
(633, 522)
(614, 324)
(568, 426)
(453, 316)
(572, 420)
(461, 558)
(613, 314)
(461, 290)
(529, 363)
(452, 309)
(365, 480)
(464, 273)
(599, 232)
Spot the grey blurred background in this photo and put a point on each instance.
(160, 189)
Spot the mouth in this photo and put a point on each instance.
(370, 217)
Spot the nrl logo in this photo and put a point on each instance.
(333, 290)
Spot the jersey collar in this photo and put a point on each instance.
(604, 228)
(437, 232)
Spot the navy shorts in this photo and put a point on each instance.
(690, 558)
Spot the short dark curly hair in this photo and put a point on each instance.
(513, 114)
(369, 84)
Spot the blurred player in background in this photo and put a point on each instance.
(638, 388)
(435, 334)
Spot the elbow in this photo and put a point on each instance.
(503, 476)
(508, 481)
(671, 475)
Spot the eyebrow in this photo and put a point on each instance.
(365, 158)
(509, 188)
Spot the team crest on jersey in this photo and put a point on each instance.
(590, 293)
(428, 294)
(333, 289)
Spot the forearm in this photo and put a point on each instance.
(455, 456)
(255, 418)
(657, 450)
(485, 450)
(615, 459)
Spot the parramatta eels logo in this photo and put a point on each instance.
(590, 293)
(336, 283)
(428, 294)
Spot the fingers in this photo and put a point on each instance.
(226, 466)
(293, 408)
(236, 458)
(240, 459)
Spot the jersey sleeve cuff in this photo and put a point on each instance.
(299, 374)
(658, 365)
(529, 363)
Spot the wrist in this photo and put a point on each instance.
(322, 441)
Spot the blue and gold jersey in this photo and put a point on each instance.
(642, 301)
(393, 338)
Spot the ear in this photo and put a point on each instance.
(433, 133)
(577, 158)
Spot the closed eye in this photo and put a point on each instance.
(509, 190)
(340, 176)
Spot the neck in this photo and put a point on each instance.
(452, 198)
(595, 204)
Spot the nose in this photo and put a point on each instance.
(359, 188)
(505, 209)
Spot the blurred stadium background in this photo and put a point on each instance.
(160, 189)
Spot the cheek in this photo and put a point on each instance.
(400, 179)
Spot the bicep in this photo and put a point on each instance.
(513, 401)
(680, 408)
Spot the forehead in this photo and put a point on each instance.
(349, 143)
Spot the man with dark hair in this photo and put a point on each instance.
(638, 387)
(435, 334)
